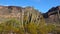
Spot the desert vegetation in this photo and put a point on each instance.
(17, 20)
(13, 26)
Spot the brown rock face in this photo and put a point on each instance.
(10, 11)
(26, 13)
(53, 15)
(7, 12)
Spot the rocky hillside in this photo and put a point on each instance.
(53, 15)
(19, 13)
(10, 11)
(27, 20)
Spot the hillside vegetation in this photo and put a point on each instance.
(18, 20)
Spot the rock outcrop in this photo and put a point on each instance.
(53, 14)
(19, 13)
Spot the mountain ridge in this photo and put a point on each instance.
(20, 12)
(53, 14)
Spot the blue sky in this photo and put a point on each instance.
(42, 5)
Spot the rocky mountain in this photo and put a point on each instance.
(12, 11)
(53, 15)
(19, 13)
(29, 20)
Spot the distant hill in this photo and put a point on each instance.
(53, 14)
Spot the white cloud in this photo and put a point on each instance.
(6, 5)
(3, 5)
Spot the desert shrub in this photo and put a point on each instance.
(51, 27)
(32, 28)
(11, 25)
